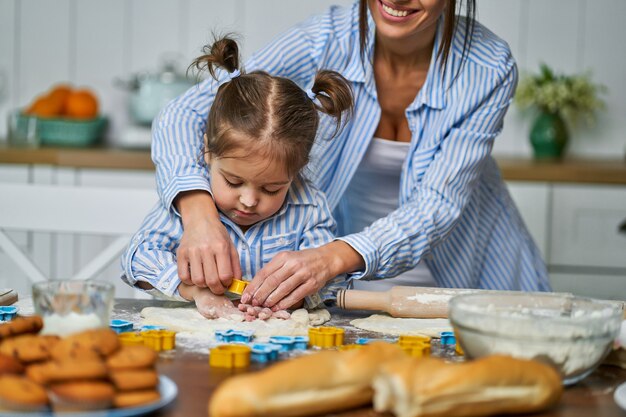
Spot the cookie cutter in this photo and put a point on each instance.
(410, 339)
(289, 343)
(152, 327)
(368, 340)
(447, 338)
(417, 349)
(121, 326)
(231, 335)
(230, 356)
(325, 337)
(8, 313)
(159, 340)
(236, 288)
(130, 339)
(264, 352)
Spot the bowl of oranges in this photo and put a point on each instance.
(67, 116)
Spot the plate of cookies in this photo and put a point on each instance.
(87, 373)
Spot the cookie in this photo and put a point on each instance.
(28, 348)
(102, 342)
(135, 398)
(134, 380)
(19, 393)
(132, 357)
(10, 365)
(81, 396)
(21, 325)
(68, 370)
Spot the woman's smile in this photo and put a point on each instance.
(395, 13)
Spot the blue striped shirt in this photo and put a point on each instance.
(455, 212)
(304, 221)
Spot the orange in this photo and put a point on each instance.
(43, 106)
(60, 93)
(81, 104)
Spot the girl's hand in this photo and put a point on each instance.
(291, 276)
(262, 313)
(214, 306)
(206, 256)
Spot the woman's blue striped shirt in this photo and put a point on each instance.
(455, 212)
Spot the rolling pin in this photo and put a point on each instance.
(399, 301)
(414, 302)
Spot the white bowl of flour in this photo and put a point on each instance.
(573, 334)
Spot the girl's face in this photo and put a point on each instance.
(404, 19)
(248, 188)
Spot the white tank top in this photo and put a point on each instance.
(372, 194)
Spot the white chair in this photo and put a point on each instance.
(79, 210)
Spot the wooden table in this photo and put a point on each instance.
(593, 397)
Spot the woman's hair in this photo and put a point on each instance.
(261, 113)
(450, 26)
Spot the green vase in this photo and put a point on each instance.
(549, 136)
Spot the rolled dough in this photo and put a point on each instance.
(386, 324)
(189, 323)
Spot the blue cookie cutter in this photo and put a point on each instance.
(230, 335)
(367, 340)
(264, 352)
(7, 313)
(146, 327)
(121, 326)
(448, 338)
(288, 343)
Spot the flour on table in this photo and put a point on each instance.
(383, 323)
(192, 325)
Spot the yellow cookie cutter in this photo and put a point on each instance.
(326, 337)
(130, 339)
(236, 288)
(417, 349)
(159, 340)
(411, 339)
(230, 356)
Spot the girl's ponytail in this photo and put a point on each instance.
(334, 95)
(223, 53)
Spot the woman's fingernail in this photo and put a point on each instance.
(245, 298)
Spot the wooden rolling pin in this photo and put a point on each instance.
(413, 302)
(399, 301)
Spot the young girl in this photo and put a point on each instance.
(259, 133)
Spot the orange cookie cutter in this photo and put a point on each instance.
(159, 340)
(325, 337)
(230, 356)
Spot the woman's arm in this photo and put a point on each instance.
(315, 272)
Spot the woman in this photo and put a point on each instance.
(434, 89)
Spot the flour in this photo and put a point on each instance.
(440, 297)
(196, 333)
(385, 324)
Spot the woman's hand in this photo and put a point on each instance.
(291, 276)
(206, 256)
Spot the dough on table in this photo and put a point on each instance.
(188, 322)
(383, 323)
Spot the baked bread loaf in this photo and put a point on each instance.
(309, 385)
(430, 387)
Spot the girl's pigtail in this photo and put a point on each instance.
(334, 94)
(223, 53)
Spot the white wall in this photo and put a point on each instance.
(90, 42)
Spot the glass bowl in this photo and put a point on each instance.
(573, 334)
(68, 306)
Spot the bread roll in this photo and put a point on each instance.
(430, 387)
(309, 385)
